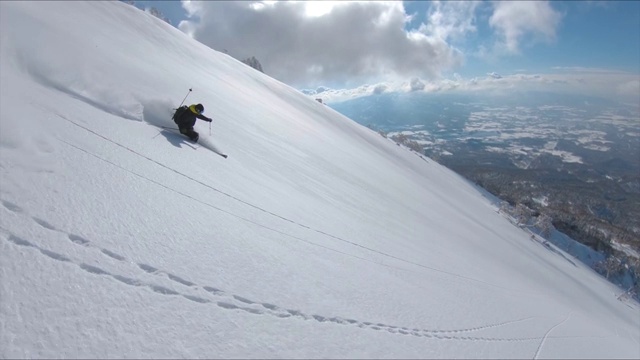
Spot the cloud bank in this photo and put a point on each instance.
(310, 44)
(344, 44)
(614, 85)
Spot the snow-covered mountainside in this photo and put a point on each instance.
(316, 237)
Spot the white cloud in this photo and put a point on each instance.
(614, 85)
(515, 20)
(311, 44)
(416, 84)
(379, 89)
(630, 89)
(451, 19)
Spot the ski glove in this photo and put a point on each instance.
(209, 120)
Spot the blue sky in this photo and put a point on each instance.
(351, 44)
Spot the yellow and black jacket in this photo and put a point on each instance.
(186, 117)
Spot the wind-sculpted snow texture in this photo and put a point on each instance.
(316, 238)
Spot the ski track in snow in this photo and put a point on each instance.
(462, 277)
(233, 214)
(214, 296)
(546, 335)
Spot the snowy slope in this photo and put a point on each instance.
(315, 238)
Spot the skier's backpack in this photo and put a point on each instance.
(178, 114)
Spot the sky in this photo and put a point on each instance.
(315, 238)
(589, 45)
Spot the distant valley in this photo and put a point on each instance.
(574, 158)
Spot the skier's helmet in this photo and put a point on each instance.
(199, 108)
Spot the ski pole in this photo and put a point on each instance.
(209, 128)
(185, 98)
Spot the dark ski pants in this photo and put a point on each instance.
(188, 131)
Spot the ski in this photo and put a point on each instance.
(196, 142)
(215, 152)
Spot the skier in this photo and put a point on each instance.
(185, 117)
